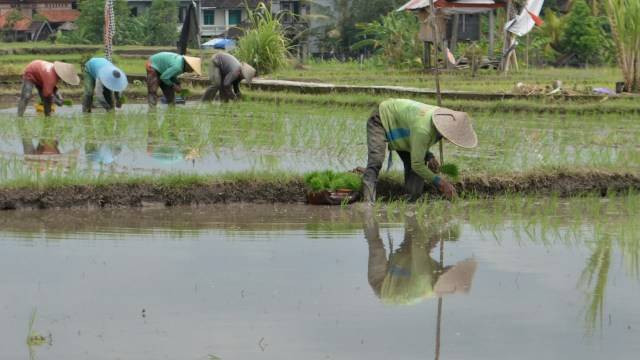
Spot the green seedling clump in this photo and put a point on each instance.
(67, 102)
(451, 170)
(329, 180)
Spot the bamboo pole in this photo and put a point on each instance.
(436, 34)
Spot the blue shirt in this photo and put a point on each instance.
(94, 65)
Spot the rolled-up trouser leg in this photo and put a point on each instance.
(377, 147)
(413, 183)
(25, 96)
(87, 97)
(153, 82)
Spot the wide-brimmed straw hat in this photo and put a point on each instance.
(113, 78)
(195, 63)
(456, 127)
(248, 72)
(66, 72)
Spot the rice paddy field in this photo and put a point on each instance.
(294, 138)
(109, 271)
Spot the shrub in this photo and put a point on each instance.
(264, 45)
(394, 37)
(624, 17)
(583, 35)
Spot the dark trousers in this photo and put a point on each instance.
(153, 83)
(377, 147)
(216, 77)
(27, 93)
(106, 98)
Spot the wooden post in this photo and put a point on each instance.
(454, 32)
(426, 55)
(434, 22)
(506, 54)
(492, 28)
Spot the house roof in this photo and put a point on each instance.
(229, 4)
(455, 6)
(21, 25)
(60, 15)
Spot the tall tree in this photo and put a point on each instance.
(583, 35)
(161, 23)
(91, 21)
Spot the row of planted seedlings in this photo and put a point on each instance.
(297, 136)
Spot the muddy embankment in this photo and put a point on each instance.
(559, 183)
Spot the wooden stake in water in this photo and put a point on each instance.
(434, 23)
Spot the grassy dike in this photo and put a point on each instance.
(178, 189)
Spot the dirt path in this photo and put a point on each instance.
(561, 183)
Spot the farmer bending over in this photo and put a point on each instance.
(106, 81)
(410, 128)
(163, 70)
(225, 74)
(44, 76)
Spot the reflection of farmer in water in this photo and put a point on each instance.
(410, 274)
(43, 147)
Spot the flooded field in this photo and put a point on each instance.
(515, 278)
(293, 138)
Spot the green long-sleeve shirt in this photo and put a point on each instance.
(169, 65)
(409, 128)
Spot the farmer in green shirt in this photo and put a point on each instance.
(410, 128)
(163, 70)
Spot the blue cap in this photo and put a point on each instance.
(113, 78)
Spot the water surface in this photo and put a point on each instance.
(548, 280)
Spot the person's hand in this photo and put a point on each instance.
(447, 189)
(433, 164)
(177, 88)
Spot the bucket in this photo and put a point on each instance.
(620, 88)
(332, 197)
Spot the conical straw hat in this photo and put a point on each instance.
(66, 72)
(456, 127)
(248, 72)
(113, 78)
(195, 63)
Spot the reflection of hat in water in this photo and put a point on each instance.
(456, 127)
(102, 154)
(113, 78)
(248, 72)
(66, 72)
(194, 63)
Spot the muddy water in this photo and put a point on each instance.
(295, 282)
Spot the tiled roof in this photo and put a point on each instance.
(60, 16)
(229, 4)
(21, 25)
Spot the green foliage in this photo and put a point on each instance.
(264, 44)
(160, 23)
(395, 37)
(624, 17)
(451, 170)
(583, 35)
(329, 180)
(91, 24)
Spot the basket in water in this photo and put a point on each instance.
(333, 197)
